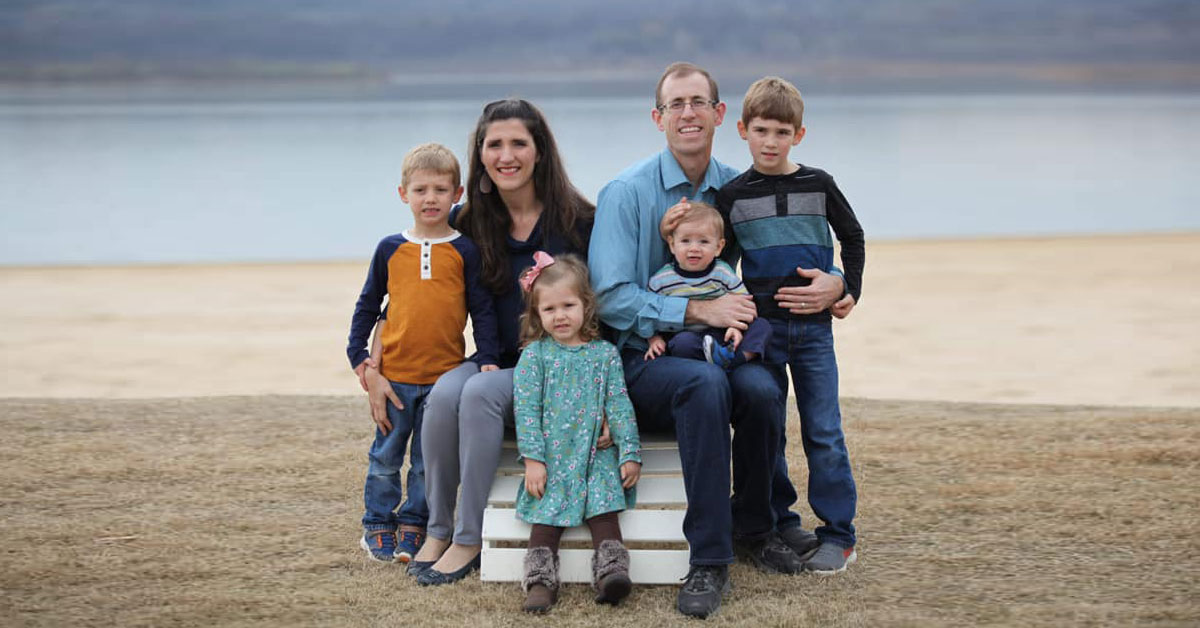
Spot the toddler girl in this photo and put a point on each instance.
(569, 388)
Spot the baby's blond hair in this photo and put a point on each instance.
(702, 213)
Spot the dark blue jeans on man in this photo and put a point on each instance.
(699, 402)
(382, 491)
(806, 347)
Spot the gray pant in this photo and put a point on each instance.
(461, 436)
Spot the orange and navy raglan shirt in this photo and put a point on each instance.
(430, 287)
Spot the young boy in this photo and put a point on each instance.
(430, 275)
(695, 242)
(779, 214)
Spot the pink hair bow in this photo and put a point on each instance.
(541, 260)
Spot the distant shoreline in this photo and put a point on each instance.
(1020, 239)
(860, 77)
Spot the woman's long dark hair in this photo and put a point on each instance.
(485, 218)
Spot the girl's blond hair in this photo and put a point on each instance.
(566, 267)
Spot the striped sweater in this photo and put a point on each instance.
(776, 223)
(718, 279)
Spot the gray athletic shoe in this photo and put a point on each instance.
(803, 542)
(770, 554)
(830, 559)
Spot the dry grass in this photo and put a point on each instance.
(238, 511)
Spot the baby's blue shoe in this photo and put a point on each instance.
(718, 354)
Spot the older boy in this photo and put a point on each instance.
(430, 276)
(778, 215)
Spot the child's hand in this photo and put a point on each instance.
(657, 347)
(488, 367)
(673, 217)
(733, 335)
(604, 441)
(361, 371)
(379, 392)
(630, 472)
(842, 308)
(535, 478)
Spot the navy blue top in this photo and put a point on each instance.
(511, 304)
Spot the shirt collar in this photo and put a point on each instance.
(693, 274)
(673, 176)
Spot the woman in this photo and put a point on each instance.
(519, 201)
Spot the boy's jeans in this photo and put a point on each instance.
(383, 492)
(807, 348)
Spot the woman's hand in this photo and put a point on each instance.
(535, 478)
(361, 372)
(630, 472)
(379, 391)
(488, 367)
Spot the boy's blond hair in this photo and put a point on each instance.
(772, 98)
(433, 157)
(702, 212)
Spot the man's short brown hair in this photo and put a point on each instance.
(683, 68)
(433, 157)
(773, 98)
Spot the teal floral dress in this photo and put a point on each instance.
(561, 395)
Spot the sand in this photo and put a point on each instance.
(1089, 320)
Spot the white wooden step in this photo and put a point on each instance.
(661, 485)
(654, 490)
(575, 565)
(501, 524)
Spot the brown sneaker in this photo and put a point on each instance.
(610, 572)
(541, 580)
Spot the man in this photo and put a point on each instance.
(698, 400)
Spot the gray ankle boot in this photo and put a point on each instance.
(610, 572)
(541, 580)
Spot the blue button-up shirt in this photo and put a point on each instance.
(626, 247)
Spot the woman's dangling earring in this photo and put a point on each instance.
(485, 184)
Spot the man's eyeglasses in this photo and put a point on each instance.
(698, 104)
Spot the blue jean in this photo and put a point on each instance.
(382, 491)
(700, 402)
(807, 349)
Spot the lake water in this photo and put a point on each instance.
(120, 182)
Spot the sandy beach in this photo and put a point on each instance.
(1088, 320)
